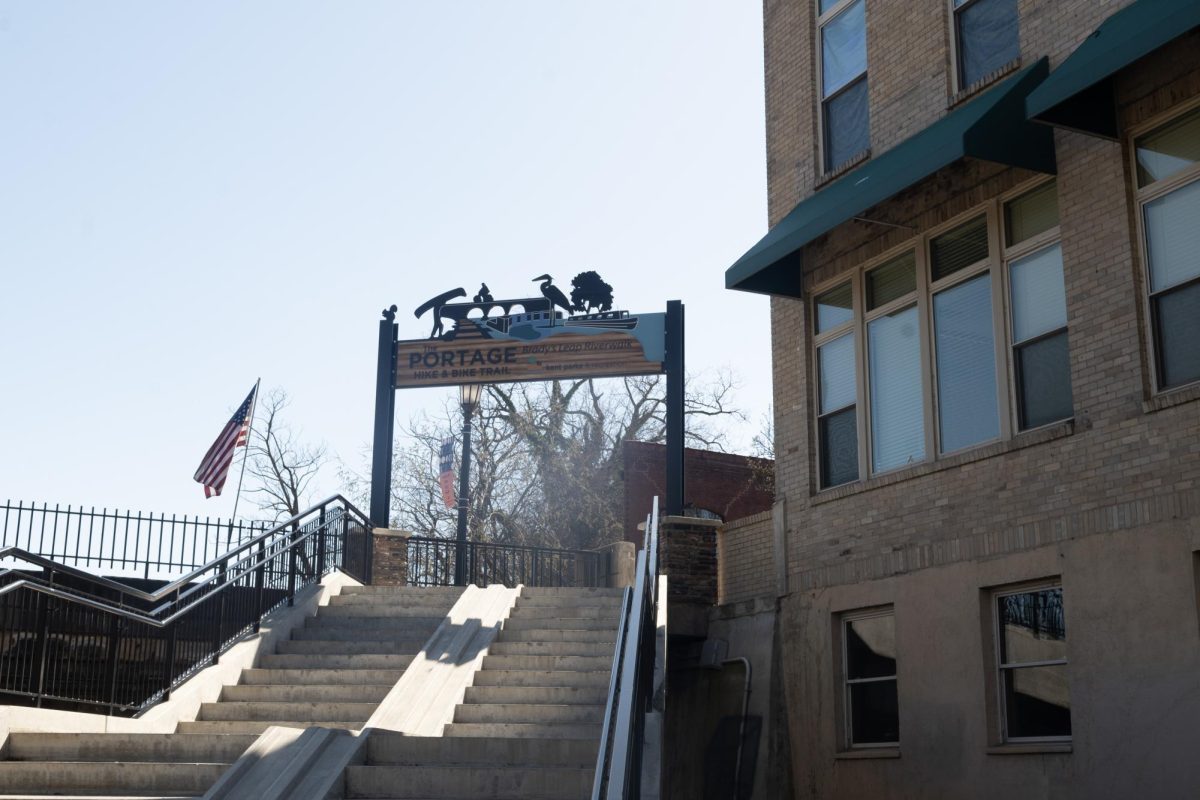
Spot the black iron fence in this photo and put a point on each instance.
(431, 563)
(122, 542)
(70, 639)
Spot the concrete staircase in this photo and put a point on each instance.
(333, 672)
(529, 727)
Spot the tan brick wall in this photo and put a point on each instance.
(746, 559)
(1119, 450)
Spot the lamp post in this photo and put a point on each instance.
(468, 398)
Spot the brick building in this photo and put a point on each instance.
(985, 303)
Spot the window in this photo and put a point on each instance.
(985, 33)
(894, 365)
(951, 341)
(963, 339)
(871, 707)
(844, 115)
(1037, 308)
(1031, 655)
(1168, 174)
(837, 418)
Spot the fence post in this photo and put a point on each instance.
(259, 584)
(43, 623)
(169, 666)
(321, 544)
(110, 667)
(221, 570)
(292, 568)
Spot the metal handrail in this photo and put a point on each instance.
(618, 755)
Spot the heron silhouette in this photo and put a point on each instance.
(553, 293)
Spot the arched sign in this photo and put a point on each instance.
(551, 337)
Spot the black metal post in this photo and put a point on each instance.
(675, 409)
(110, 661)
(321, 545)
(291, 597)
(216, 649)
(385, 420)
(464, 502)
(259, 584)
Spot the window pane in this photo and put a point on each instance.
(1031, 214)
(1039, 301)
(892, 281)
(1173, 237)
(897, 416)
(1037, 702)
(1033, 627)
(874, 713)
(836, 362)
(844, 48)
(959, 248)
(834, 308)
(871, 647)
(966, 364)
(846, 125)
(987, 38)
(1169, 149)
(1177, 331)
(839, 448)
(1044, 381)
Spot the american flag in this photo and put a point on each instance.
(446, 473)
(215, 466)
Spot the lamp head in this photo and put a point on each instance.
(469, 394)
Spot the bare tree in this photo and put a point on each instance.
(546, 458)
(281, 466)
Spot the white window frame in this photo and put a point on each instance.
(851, 327)
(1142, 196)
(822, 20)
(844, 620)
(1000, 666)
(996, 266)
(1016, 252)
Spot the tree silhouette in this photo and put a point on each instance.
(590, 291)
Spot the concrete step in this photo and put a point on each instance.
(451, 592)
(319, 647)
(256, 727)
(543, 678)
(384, 748)
(284, 693)
(523, 713)
(435, 602)
(551, 648)
(111, 777)
(354, 633)
(336, 661)
(320, 677)
(561, 623)
(307, 713)
(569, 591)
(606, 635)
(511, 730)
(568, 601)
(199, 748)
(386, 610)
(492, 782)
(557, 695)
(392, 625)
(567, 612)
(555, 663)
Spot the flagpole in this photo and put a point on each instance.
(245, 456)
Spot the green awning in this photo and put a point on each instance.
(1079, 94)
(992, 127)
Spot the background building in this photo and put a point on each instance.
(986, 341)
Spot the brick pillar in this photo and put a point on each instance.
(687, 555)
(390, 565)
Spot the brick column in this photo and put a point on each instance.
(687, 555)
(390, 565)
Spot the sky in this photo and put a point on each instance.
(196, 195)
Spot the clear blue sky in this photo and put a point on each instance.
(196, 194)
